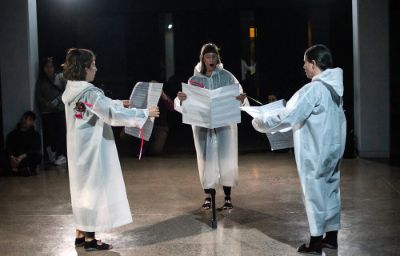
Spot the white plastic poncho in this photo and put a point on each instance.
(216, 149)
(98, 195)
(319, 132)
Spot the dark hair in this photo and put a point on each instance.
(321, 55)
(30, 114)
(207, 48)
(43, 62)
(75, 63)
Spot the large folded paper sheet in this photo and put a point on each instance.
(211, 108)
(144, 95)
(265, 110)
(280, 139)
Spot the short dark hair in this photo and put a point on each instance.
(75, 63)
(30, 114)
(321, 55)
(207, 48)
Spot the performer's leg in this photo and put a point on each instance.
(89, 236)
(228, 155)
(228, 161)
(207, 201)
(79, 238)
(330, 240)
(333, 209)
(228, 202)
(204, 140)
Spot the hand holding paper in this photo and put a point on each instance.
(278, 140)
(241, 97)
(145, 96)
(126, 103)
(154, 112)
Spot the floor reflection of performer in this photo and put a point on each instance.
(98, 195)
(217, 149)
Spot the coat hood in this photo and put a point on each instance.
(75, 89)
(332, 77)
(197, 69)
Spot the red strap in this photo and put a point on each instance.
(141, 142)
(196, 84)
(88, 104)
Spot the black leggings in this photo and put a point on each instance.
(227, 191)
(89, 234)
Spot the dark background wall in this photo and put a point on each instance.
(394, 20)
(127, 38)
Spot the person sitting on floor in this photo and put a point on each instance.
(23, 146)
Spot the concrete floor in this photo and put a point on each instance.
(165, 197)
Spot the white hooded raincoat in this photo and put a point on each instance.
(98, 195)
(315, 113)
(216, 149)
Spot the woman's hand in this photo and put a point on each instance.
(181, 96)
(154, 112)
(241, 97)
(21, 157)
(126, 103)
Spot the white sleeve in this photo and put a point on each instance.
(297, 110)
(114, 113)
(259, 125)
(118, 103)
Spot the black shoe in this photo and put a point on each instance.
(227, 205)
(315, 246)
(207, 204)
(310, 249)
(79, 242)
(330, 240)
(93, 246)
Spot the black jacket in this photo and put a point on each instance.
(19, 142)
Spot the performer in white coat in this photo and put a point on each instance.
(217, 149)
(315, 113)
(98, 195)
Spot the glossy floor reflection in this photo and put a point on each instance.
(165, 197)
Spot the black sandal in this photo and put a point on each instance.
(207, 204)
(79, 242)
(227, 205)
(93, 246)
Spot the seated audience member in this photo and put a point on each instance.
(23, 147)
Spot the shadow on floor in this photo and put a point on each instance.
(197, 222)
(82, 252)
